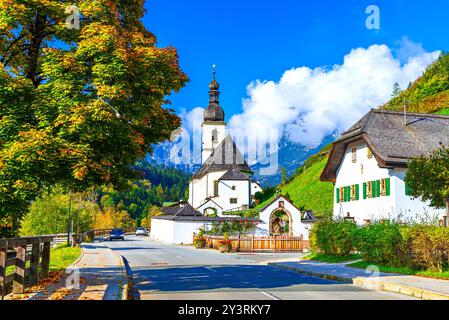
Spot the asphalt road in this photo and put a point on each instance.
(171, 272)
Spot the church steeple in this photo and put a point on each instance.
(213, 127)
(214, 112)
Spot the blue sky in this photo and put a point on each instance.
(250, 40)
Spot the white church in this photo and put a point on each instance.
(223, 186)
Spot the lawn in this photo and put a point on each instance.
(63, 256)
(444, 112)
(331, 259)
(402, 270)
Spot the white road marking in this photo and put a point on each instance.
(268, 295)
(208, 268)
(179, 257)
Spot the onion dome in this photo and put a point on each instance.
(214, 112)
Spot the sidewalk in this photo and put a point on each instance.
(99, 274)
(419, 287)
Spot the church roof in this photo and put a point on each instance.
(180, 209)
(226, 156)
(234, 174)
(214, 113)
(392, 142)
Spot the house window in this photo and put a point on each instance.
(233, 200)
(342, 194)
(355, 192)
(215, 188)
(369, 189)
(281, 204)
(369, 152)
(354, 155)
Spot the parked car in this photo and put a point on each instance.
(141, 231)
(116, 234)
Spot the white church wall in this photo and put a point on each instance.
(183, 231)
(175, 232)
(162, 230)
(208, 145)
(241, 193)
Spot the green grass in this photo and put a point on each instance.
(402, 270)
(444, 112)
(308, 192)
(330, 259)
(63, 256)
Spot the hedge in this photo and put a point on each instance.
(423, 247)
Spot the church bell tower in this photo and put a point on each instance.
(213, 127)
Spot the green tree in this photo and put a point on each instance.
(428, 177)
(49, 214)
(396, 90)
(78, 106)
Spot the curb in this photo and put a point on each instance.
(370, 283)
(126, 287)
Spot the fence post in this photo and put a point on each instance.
(34, 261)
(46, 259)
(274, 241)
(252, 243)
(238, 243)
(302, 243)
(18, 285)
(3, 257)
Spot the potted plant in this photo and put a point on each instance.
(200, 242)
(225, 245)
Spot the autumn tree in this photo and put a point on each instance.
(428, 177)
(78, 106)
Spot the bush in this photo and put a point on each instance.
(380, 242)
(333, 237)
(428, 247)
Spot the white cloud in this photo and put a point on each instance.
(307, 104)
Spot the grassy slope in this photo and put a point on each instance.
(308, 192)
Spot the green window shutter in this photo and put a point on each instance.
(338, 195)
(387, 186)
(357, 197)
(408, 190)
(344, 194)
(378, 188)
(364, 190)
(348, 194)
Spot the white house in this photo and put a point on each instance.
(282, 217)
(368, 163)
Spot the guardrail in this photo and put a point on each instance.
(30, 261)
(92, 234)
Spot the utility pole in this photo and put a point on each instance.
(69, 220)
(405, 112)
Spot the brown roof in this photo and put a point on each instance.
(180, 209)
(392, 142)
(226, 156)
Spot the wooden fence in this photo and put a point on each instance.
(251, 243)
(28, 257)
